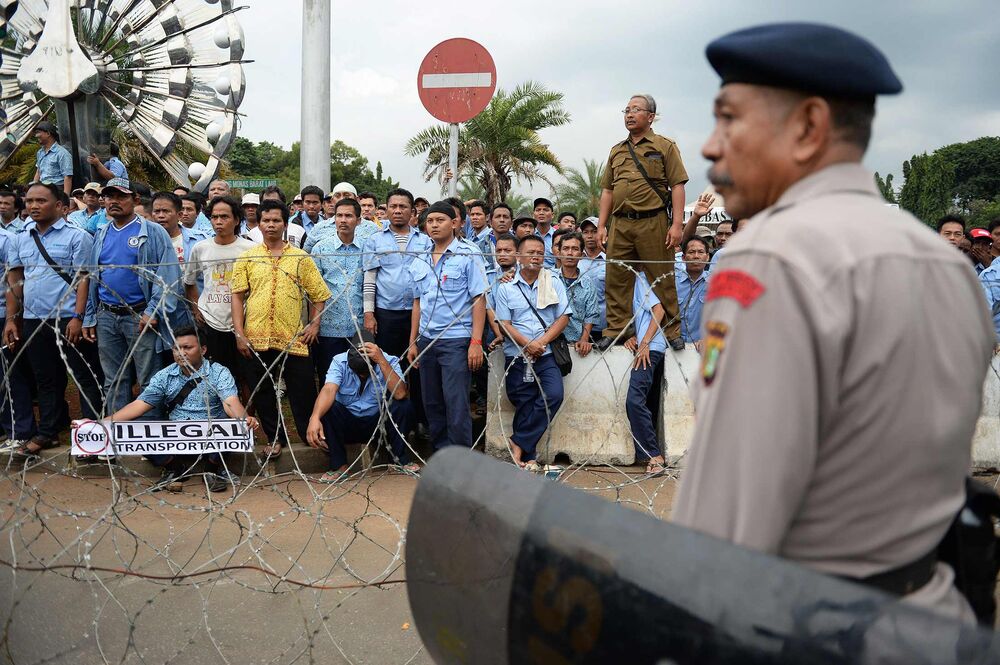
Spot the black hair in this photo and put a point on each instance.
(63, 198)
(188, 331)
(194, 199)
(508, 236)
(143, 191)
(478, 203)
(186, 190)
(703, 241)
(422, 218)
(950, 219)
(170, 196)
(497, 206)
(348, 201)
(272, 189)
(311, 189)
(566, 214)
(731, 223)
(530, 236)
(993, 224)
(271, 204)
(368, 195)
(6, 194)
(399, 191)
(457, 203)
(55, 191)
(569, 235)
(852, 118)
(233, 204)
(114, 150)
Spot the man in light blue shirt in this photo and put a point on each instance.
(339, 259)
(92, 203)
(581, 292)
(543, 214)
(113, 168)
(48, 299)
(990, 279)
(17, 418)
(691, 286)
(649, 351)
(312, 209)
(212, 396)
(592, 265)
(533, 380)
(447, 327)
(53, 163)
(364, 392)
(10, 220)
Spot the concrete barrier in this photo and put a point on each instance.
(590, 428)
(680, 369)
(986, 440)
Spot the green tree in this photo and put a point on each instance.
(886, 188)
(928, 183)
(977, 170)
(500, 144)
(581, 193)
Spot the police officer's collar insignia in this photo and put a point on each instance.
(736, 284)
(715, 344)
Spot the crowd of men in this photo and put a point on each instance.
(360, 313)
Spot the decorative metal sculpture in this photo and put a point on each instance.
(167, 72)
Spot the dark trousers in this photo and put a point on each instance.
(49, 368)
(17, 417)
(638, 241)
(323, 352)
(394, 337)
(444, 379)
(222, 349)
(641, 385)
(535, 403)
(342, 427)
(264, 370)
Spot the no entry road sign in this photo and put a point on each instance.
(456, 80)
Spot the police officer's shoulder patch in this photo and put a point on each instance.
(736, 284)
(715, 344)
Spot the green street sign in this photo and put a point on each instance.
(247, 183)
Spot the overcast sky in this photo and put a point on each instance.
(598, 54)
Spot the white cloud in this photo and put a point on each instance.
(364, 83)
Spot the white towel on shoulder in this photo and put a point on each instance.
(547, 294)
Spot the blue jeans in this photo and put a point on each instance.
(444, 383)
(535, 403)
(342, 427)
(640, 418)
(121, 347)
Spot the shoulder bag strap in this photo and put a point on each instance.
(183, 393)
(667, 201)
(48, 259)
(534, 311)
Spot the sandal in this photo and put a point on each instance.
(334, 477)
(43, 443)
(532, 466)
(272, 451)
(412, 469)
(656, 468)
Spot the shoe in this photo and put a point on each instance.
(40, 441)
(170, 480)
(604, 343)
(228, 476)
(10, 445)
(104, 458)
(677, 344)
(216, 483)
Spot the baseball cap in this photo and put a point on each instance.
(297, 199)
(46, 126)
(420, 199)
(522, 220)
(344, 187)
(121, 184)
(77, 192)
(542, 201)
(980, 234)
(92, 187)
(589, 221)
(250, 200)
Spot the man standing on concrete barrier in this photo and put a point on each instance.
(641, 219)
(840, 381)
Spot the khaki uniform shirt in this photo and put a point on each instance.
(662, 161)
(845, 351)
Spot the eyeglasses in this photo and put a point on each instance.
(633, 109)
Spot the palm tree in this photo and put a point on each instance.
(468, 188)
(501, 143)
(581, 193)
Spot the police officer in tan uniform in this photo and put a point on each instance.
(635, 223)
(845, 344)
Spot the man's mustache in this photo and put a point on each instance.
(719, 179)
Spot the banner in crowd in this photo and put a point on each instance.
(160, 437)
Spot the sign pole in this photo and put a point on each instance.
(453, 160)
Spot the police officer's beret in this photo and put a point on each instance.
(810, 57)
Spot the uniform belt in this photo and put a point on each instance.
(124, 309)
(639, 215)
(905, 579)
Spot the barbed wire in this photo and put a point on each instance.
(126, 557)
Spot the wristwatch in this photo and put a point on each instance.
(77, 316)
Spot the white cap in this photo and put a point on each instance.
(250, 200)
(345, 187)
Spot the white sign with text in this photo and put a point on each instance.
(160, 437)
